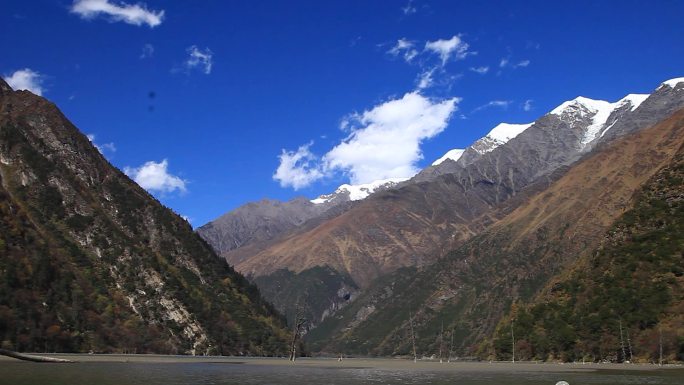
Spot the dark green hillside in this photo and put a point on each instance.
(91, 261)
(635, 281)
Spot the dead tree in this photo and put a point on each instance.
(622, 342)
(32, 358)
(298, 325)
(413, 337)
(451, 345)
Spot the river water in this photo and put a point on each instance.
(178, 370)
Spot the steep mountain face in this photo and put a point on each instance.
(414, 222)
(258, 222)
(470, 289)
(419, 220)
(91, 261)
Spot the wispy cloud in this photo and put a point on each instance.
(155, 177)
(425, 79)
(136, 14)
(26, 79)
(147, 51)
(522, 63)
(104, 147)
(409, 8)
(404, 47)
(527, 105)
(452, 48)
(298, 169)
(480, 70)
(506, 62)
(494, 104)
(199, 59)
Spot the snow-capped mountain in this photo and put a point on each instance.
(601, 113)
(347, 192)
(454, 155)
(499, 135)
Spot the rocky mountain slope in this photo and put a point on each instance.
(419, 220)
(473, 287)
(91, 262)
(413, 224)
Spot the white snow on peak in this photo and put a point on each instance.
(672, 82)
(454, 155)
(599, 110)
(498, 136)
(589, 104)
(359, 191)
(634, 100)
(506, 131)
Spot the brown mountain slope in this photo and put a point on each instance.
(418, 222)
(472, 287)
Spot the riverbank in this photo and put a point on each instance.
(374, 363)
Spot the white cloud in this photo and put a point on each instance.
(454, 47)
(494, 103)
(299, 168)
(506, 62)
(409, 8)
(137, 14)
(384, 142)
(26, 79)
(425, 79)
(406, 47)
(387, 142)
(147, 51)
(106, 147)
(527, 105)
(201, 59)
(155, 177)
(480, 70)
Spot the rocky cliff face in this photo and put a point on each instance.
(91, 261)
(545, 234)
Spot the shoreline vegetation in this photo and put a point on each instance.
(402, 363)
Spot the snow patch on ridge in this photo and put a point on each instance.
(454, 155)
(672, 83)
(506, 131)
(359, 191)
(599, 110)
(634, 99)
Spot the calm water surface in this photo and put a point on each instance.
(322, 372)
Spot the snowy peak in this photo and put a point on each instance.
(634, 100)
(580, 105)
(498, 136)
(454, 155)
(506, 131)
(359, 191)
(599, 111)
(672, 83)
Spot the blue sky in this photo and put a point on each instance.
(197, 100)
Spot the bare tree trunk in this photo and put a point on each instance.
(451, 345)
(441, 342)
(660, 345)
(413, 338)
(513, 340)
(28, 357)
(299, 321)
(622, 342)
